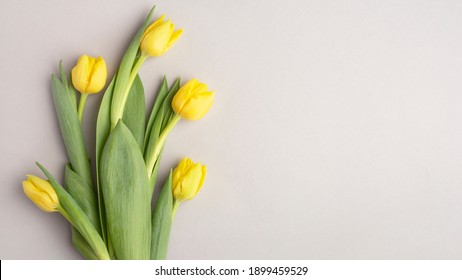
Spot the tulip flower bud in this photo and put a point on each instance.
(159, 37)
(89, 75)
(41, 193)
(192, 101)
(188, 178)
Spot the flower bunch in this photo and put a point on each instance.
(112, 216)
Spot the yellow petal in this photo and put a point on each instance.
(204, 172)
(183, 94)
(159, 37)
(153, 25)
(44, 186)
(188, 178)
(80, 76)
(197, 107)
(42, 199)
(98, 76)
(155, 42)
(175, 36)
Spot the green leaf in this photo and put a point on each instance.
(67, 84)
(134, 116)
(125, 187)
(70, 129)
(82, 246)
(73, 95)
(103, 123)
(69, 208)
(152, 180)
(110, 249)
(76, 186)
(103, 127)
(63, 75)
(162, 221)
(168, 111)
(123, 75)
(155, 133)
(161, 120)
(162, 92)
(79, 189)
(73, 140)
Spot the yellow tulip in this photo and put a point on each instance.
(193, 100)
(89, 75)
(188, 178)
(41, 193)
(159, 37)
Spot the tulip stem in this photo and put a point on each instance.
(131, 79)
(135, 70)
(176, 203)
(160, 144)
(83, 100)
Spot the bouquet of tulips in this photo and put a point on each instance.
(112, 216)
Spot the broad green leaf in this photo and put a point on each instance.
(73, 94)
(162, 221)
(68, 84)
(69, 208)
(82, 246)
(77, 186)
(70, 129)
(125, 187)
(125, 68)
(103, 127)
(110, 248)
(63, 75)
(134, 116)
(79, 189)
(75, 146)
(162, 92)
(103, 123)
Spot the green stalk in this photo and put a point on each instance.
(176, 203)
(119, 109)
(125, 70)
(160, 144)
(83, 100)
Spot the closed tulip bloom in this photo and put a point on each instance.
(188, 178)
(193, 100)
(89, 75)
(41, 193)
(159, 37)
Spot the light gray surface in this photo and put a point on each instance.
(336, 132)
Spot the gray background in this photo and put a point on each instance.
(336, 131)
